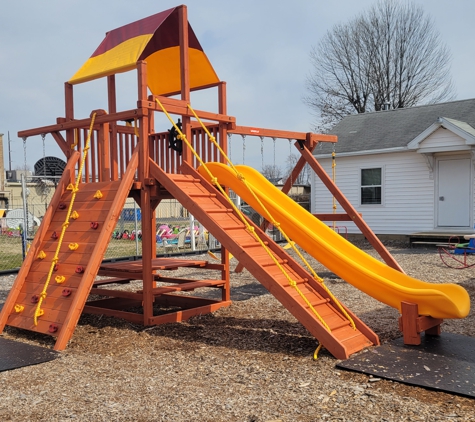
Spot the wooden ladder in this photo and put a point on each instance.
(216, 214)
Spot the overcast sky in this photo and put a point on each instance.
(260, 48)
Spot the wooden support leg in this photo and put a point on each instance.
(408, 323)
(412, 324)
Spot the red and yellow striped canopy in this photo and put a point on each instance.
(156, 40)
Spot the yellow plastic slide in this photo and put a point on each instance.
(366, 273)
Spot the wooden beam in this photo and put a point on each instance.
(175, 106)
(81, 123)
(334, 217)
(283, 134)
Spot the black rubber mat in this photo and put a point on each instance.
(445, 363)
(15, 354)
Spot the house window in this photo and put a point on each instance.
(371, 180)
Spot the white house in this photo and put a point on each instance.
(406, 170)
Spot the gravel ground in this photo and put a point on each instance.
(251, 362)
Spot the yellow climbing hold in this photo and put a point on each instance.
(98, 195)
(60, 279)
(74, 215)
(70, 187)
(41, 255)
(19, 308)
(73, 246)
(40, 312)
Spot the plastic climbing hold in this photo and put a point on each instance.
(62, 206)
(19, 308)
(94, 225)
(60, 279)
(34, 299)
(74, 215)
(56, 267)
(53, 328)
(98, 195)
(73, 246)
(70, 187)
(79, 269)
(66, 292)
(41, 255)
(54, 235)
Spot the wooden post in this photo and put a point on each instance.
(412, 324)
(185, 77)
(148, 237)
(69, 114)
(112, 104)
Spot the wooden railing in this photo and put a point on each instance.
(107, 159)
(170, 160)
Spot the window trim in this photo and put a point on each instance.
(381, 167)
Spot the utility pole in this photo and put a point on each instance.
(9, 153)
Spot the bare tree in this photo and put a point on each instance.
(389, 56)
(303, 177)
(271, 172)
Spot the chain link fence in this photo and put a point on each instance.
(178, 231)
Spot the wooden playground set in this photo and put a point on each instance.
(115, 154)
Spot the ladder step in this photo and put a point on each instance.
(202, 195)
(220, 211)
(344, 323)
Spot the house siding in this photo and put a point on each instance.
(407, 192)
(441, 138)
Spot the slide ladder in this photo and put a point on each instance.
(95, 212)
(212, 209)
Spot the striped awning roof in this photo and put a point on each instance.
(156, 40)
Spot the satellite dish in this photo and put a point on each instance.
(50, 168)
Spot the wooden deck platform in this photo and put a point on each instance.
(435, 238)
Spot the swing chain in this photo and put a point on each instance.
(230, 135)
(43, 136)
(274, 154)
(243, 149)
(24, 153)
(262, 152)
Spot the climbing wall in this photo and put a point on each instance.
(67, 278)
(54, 282)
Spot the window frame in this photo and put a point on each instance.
(381, 186)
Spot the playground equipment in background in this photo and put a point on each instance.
(458, 255)
(113, 154)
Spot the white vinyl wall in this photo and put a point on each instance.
(408, 192)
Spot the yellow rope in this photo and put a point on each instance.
(271, 219)
(334, 181)
(249, 228)
(315, 354)
(54, 261)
